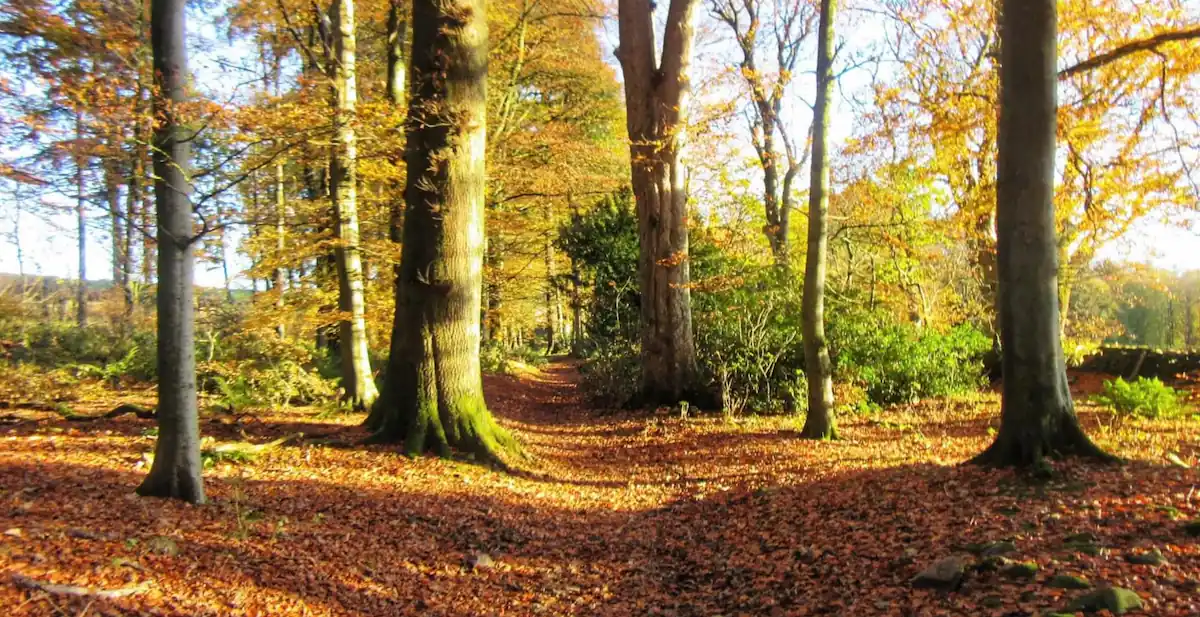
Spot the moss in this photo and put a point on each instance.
(1067, 581)
(1025, 570)
(1115, 600)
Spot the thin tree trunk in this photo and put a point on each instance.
(1037, 417)
(551, 295)
(656, 93)
(81, 292)
(819, 424)
(357, 380)
(280, 246)
(133, 204)
(120, 247)
(176, 468)
(433, 396)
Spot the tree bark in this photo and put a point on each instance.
(133, 205)
(1037, 417)
(280, 247)
(433, 396)
(819, 423)
(120, 235)
(176, 468)
(81, 291)
(357, 381)
(551, 295)
(656, 101)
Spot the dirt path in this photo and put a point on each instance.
(617, 515)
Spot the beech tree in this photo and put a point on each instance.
(357, 381)
(433, 396)
(656, 101)
(817, 367)
(176, 468)
(1037, 417)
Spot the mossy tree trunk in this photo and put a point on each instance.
(176, 468)
(817, 366)
(432, 399)
(1037, 417)
(357, 381)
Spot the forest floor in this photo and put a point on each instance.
(617, 514)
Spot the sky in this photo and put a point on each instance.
(49, 243)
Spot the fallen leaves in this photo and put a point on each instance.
(620, 514)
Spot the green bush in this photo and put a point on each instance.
(1144, 397)
(495, 359)
(898, 362)
(748, 343)
(612, 376)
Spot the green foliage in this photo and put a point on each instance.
(748, 342)
(613, 375)
(898, 362)
(603, 242)
(494, 358)
(1144, 397)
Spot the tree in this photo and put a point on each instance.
(817, 366)
(357, 381)
(176, 468)
(1037, 417)
(433, 395)
(791, 24)
(656, 102)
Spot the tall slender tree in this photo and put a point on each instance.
(656, 103)
(433, 396)
(176, 469)
(817, 367)
(1037, 417)
(357, 380)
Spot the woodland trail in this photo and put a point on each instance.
(616, 514)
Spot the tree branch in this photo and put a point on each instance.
(1128, 49)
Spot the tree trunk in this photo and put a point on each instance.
(357, 381)
(133, 204)
(551, 296)
(1037, 417)
(119, 220)
(81, 291)
(433, 396)
(280, 247)
(656, 101)
(817, 367)
(176, 468)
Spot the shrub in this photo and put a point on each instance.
(1144, 397)
(612, 376)
(748, 344)
(898, 362)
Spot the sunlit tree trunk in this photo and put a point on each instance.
(1037, 417)
(133, 204)
(551, 295)
(280, 247)
(81, 291)
(656, 102)
(433, 396)
(176, 468)
(817, 367)
(397, 65)
(357, 381)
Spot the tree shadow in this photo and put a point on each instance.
(846, 543)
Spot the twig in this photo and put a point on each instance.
(76, 591)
